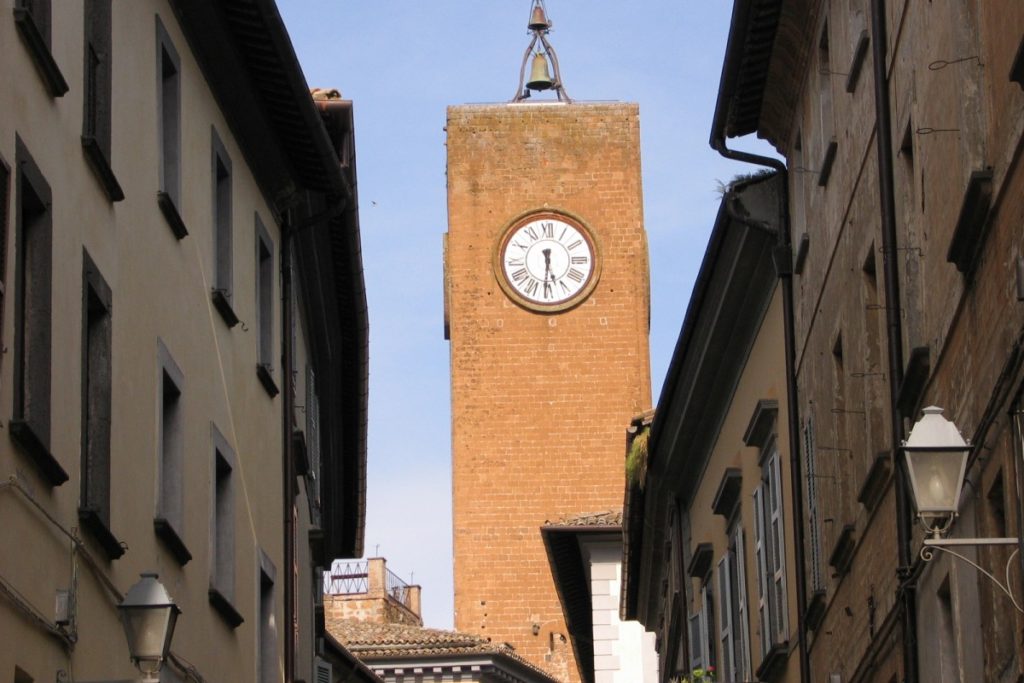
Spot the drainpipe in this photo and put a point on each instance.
(904, 520)
(783, 257)
(288, 460)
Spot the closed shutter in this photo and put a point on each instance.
(742, 628)
(813, 523)
(760, 550)
(725, 616)
(778, 551)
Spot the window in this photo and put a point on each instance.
(826, 126)
(30, 425)
(265, 308)
(222, 530)
(170, 501)
(222, 228)
(769, 544)
(169, 117)
(313, 435)
(732, 608)
(267, 645)
(5, 206)
(702, 629)
(32, 18)
(813, 520)
(94, 505)
(97, 95)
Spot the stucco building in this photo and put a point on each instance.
(707, 566)
(184, 319)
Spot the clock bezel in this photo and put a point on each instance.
(580, 225)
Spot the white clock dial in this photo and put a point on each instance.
(548, 260)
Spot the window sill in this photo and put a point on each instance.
(224, 608)
(266, 377)
(223, 306)
(774, 662)
(165, 532)
(32, 445)
(40, 51)
(170, 212)
(101, 167)
(92, 521)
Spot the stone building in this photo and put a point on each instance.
(900, 126)
(185, 387)
(375, 616)
(707, 566)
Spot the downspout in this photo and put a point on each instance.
(288, 461)
(783, 257)
(904, 521)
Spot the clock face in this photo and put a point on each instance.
(547, 261)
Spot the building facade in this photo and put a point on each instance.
(546, 283)
(707, 565)
(185, 391)
(900, 124)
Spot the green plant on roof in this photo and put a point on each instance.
(636, 460)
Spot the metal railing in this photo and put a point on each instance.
(346, 578)
(353, 578)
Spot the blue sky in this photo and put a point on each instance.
(402, 62)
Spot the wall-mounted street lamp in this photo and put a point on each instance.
(936, 459)
(148, 614)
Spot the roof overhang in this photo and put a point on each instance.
(762, 75)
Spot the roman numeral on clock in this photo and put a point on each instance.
(548, 229)
(520, 275)
(532, 232)
(575, 275)
(579, 260)
(531, 286)
(575, 244)
(513, 262)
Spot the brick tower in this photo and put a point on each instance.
(547, 306)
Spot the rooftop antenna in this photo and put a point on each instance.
(540, 75)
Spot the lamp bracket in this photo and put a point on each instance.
(945, 545)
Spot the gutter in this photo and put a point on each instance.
(905, 593)
(783, 257)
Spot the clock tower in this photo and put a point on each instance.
(547, 312)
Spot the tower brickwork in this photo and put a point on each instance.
(541, 397)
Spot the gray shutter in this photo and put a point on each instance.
(778, 554)
(762, 570)
(725, 633)
(742, 629)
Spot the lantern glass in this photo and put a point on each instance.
(148, 615)
(936, 477)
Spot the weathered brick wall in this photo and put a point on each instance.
(954, 112)
(540, 402)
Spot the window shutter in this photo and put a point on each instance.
(696, 650)
(742, 629)
(725, 612)
(778, 551)
(814, 529)
(313, 432)
(762, 569)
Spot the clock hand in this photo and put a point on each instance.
(548, 276)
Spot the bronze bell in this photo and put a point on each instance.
(538, 21)
(540, 77)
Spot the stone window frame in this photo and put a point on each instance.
(97, 390)
(168, 521)
(169, 120)
(266, 633)
(97, 95)
(222, 528)
(221, 195)
(33, 327)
